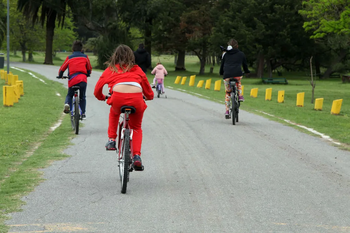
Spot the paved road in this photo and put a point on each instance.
(201, 175)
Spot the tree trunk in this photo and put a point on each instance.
(180, 63)
(202, 60)
(24, 55)
(317, 67)
(30, 56)
(260, 66)
(148, 37)
(213, 60)
(50, 29)
(329, 71)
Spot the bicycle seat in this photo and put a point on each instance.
(125, 108)
(233, 79)
(76, 87)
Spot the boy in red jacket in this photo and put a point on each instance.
(79, 68)
(128, 84)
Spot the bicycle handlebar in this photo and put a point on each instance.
(63, 77)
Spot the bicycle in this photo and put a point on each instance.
(234, 103)
(125, 148)
(76, 113)
(159, 87)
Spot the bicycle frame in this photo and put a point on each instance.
(123, 125)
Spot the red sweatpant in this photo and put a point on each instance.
(118, 100)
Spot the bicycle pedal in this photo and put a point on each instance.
(139, 168)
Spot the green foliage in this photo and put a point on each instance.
(64, 36)
(326, 17)
(2, 21)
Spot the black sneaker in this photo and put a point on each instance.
(137, 163)
(110, 145)
(66, 109)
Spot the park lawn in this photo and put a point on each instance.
(335, 126)
(27, 144)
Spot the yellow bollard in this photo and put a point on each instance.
(2, 75)
(5, 76)
(177, 80)
(21, 90)
(254, 92)
(207, 84)
(217, 85)
(8, 95)
(15, 79)
(242, 90)
(10, 79)
(300, 99)
(280, 98)
(200, 83)
(336, 106)
(318, 104)
(15, 93)
(183, 81)
(268, 94)
(192, 79)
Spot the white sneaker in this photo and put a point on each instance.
(66, 109)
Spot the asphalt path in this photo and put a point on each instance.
(202, 174)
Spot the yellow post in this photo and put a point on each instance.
(183, 80)
(280, 98)
(300, 99)
(15, 93)
(254, 92)
(15, 79)
(217, 85)
(2, 75)
(5, 76)
(8, 95)
(20, 83)
(268, 94)
(207, 84)
(10, 79)
(192, 78)
(318, 104)
(200, 83)
(336, 106)
(242, 89)
(177, 80)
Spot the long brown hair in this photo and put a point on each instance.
(124, 56)
(233, 43)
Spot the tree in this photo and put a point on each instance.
(197, 25)
(269, 32)
(326, 17)
(2, 22)
(50, 10)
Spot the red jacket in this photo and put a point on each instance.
(134, 75)
(79, 68)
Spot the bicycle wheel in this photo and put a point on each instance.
(159, 91)
(237, 110)
(125, 161)
(76, 115)
(233, 111)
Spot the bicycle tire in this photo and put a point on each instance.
(233, 111)
(126, 161)
(76, 115)
(159, 91)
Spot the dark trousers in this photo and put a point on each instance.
(82, 102)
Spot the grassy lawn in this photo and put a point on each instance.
(27, 144)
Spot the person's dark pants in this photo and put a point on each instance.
(82, 102)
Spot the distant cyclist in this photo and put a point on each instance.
(79, 68)
(231, 67)
(160, 72)
(142, 58)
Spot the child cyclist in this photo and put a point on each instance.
(127, 84)
(159, 72)
(231, 67)
(79, 68)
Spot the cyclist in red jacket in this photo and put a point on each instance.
(128, 84)
(79, 68)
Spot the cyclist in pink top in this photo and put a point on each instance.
(160, 72)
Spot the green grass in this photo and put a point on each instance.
(25, 128)
(335, 126)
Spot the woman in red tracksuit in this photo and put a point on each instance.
(128, 84)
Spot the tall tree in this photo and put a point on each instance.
(2, 22)
(50, 11)
(197, 25)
